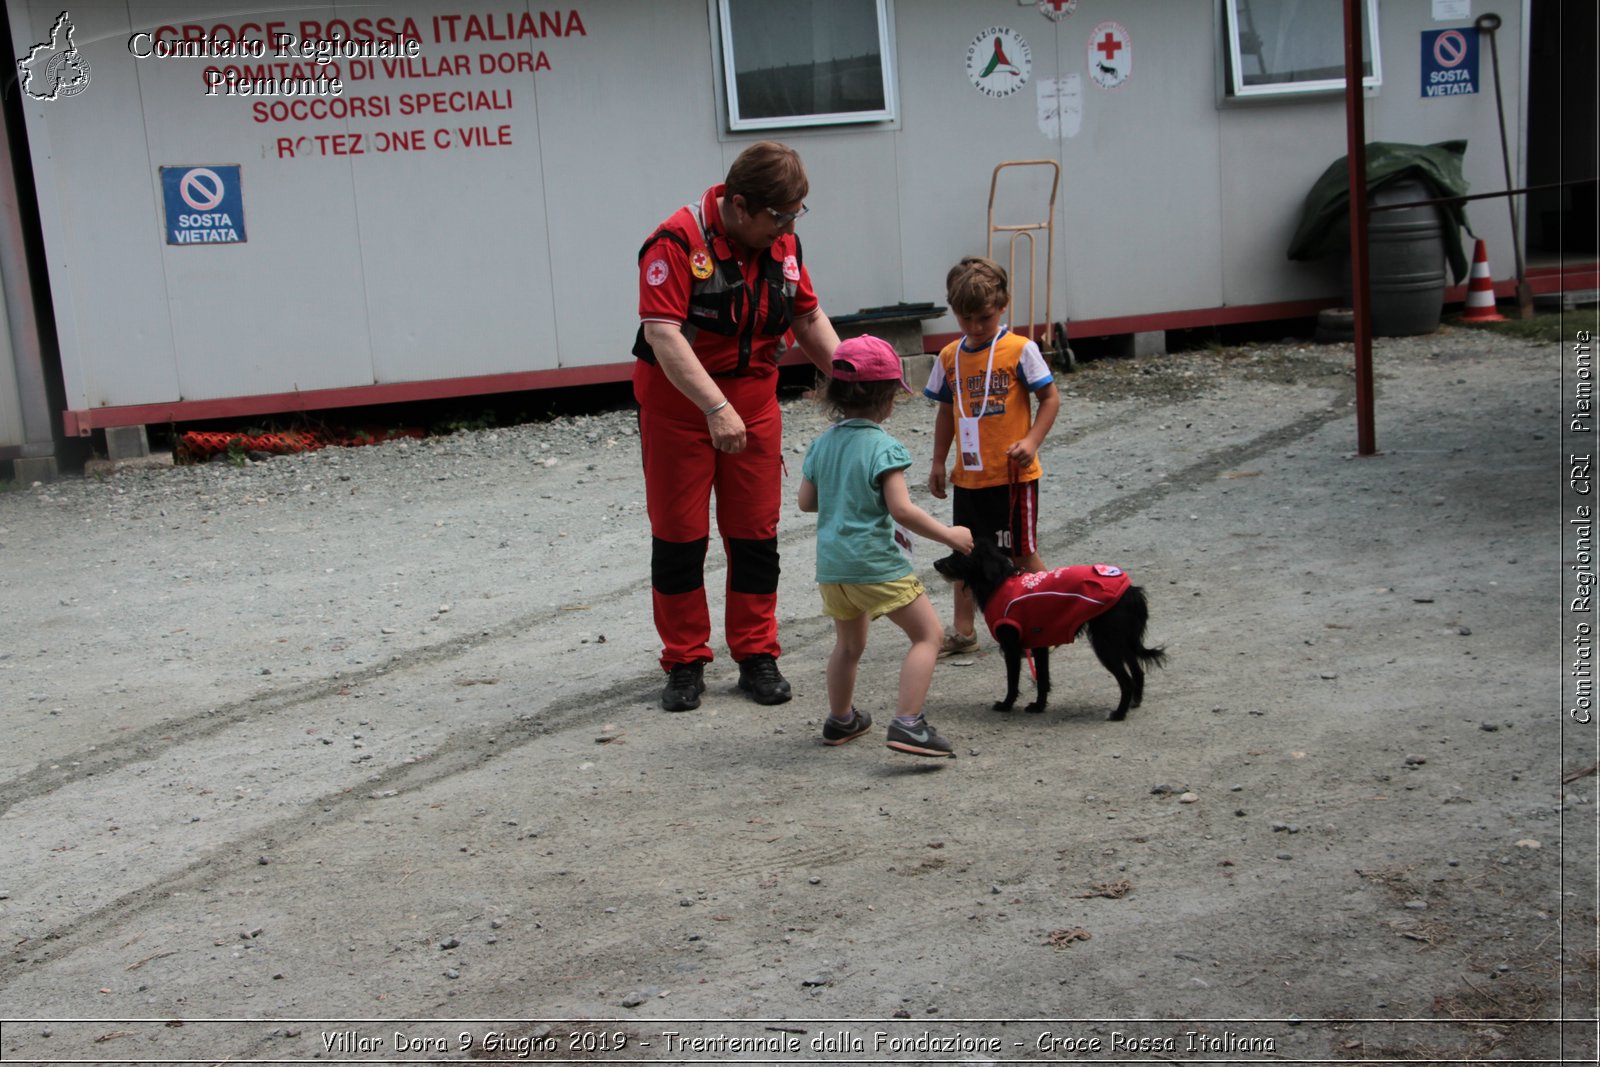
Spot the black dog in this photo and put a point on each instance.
(1052, 609)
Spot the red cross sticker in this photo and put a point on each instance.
(1110, 55)
(1059, 5)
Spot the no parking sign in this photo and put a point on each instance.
(205, 205)
(1449, 62)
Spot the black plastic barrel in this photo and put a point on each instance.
(1406, 262)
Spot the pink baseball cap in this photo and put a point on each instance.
(868, 359)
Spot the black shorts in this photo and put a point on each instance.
(1006, 515)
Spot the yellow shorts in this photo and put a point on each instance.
(845, 602)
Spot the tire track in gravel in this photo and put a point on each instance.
(468, 748)
(1209, 466)
(142, 744)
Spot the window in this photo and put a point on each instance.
(806, 62)
(1277, 47)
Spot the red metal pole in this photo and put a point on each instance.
(1356, 156)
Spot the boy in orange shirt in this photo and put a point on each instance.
(983, 384)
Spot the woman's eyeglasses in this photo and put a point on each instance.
(783, 218)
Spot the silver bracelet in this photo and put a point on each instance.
(713, 409)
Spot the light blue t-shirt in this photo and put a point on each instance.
(855, 532)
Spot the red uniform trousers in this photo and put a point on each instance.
(681, 472)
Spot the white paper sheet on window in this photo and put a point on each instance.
(1452, 10)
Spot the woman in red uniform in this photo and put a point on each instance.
(720, 282)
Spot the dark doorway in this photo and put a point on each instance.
(1563, 84)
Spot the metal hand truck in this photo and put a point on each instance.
(1051, 336)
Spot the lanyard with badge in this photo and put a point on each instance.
(967, 425)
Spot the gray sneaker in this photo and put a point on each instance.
(837, 733)
(919, 739)
(956, 643)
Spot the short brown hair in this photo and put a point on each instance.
(858, 399)
(767, 174)
(977, 285)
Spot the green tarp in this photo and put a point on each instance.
(1325, 218)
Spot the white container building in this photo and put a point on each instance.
(455, 208)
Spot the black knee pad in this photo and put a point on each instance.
(753, 565)
(677, 566)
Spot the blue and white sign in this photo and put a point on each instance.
(205, 205)
(1449, 62)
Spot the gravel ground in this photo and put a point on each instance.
(365, 735)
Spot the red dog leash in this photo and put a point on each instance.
(1013, 481)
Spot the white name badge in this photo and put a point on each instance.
(905, 543)
(971, 449)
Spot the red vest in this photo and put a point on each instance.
(729, 313)
(1047, 608)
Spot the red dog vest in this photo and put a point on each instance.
(1047, 608)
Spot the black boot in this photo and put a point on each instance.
(759, 676)
(685, 683)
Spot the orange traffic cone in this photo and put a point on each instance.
(1480, 306)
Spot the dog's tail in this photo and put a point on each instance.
(1148, 657)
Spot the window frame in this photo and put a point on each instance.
(889, 113)
(1232, 76)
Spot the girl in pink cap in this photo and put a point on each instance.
(854, 479)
